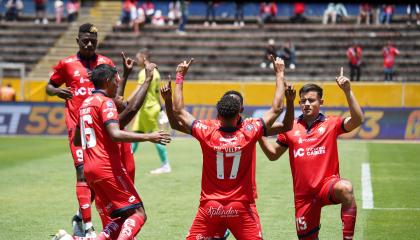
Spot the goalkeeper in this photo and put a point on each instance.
(151, 112)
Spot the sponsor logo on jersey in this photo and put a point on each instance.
(76, 73)
(110, 115)
(83, 91)
(200, 125)
(321, 130)
(228, 141)
(310, 151)
(249, 127)
(296, 133)
(110, 104)
(302, 140)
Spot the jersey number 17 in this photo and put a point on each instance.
(220, 164)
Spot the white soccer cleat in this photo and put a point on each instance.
(90, 233)
(166, 168)
(62, 235)
(77, 225)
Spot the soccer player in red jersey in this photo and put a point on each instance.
(228, 148)
(100, 136)
(313, 155)
(74, 71)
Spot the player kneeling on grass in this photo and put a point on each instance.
(228, 148)
(313, 158)
(100, 133)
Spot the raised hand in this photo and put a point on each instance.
(160, 137)
(343, 82)
(64, 93)
(149, 68)
(278, 64)
(128, 63)
(290, 93)
(183, 67)
(166, 90)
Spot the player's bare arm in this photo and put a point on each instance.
(277, 106)
(356, 114)
(128, 65)
(287, 123)
(273, 151)
(166, 93)
(180, 113)
(118, 135)
(136, 102)
(52, 90)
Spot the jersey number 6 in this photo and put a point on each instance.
(87, 132)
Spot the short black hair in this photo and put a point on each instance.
(88, 28)
(101, 74)
(311, 87)
(228, 107)
(236, 93)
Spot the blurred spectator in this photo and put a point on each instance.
(354, 55)
(410, 9)
(41, 11)
(149, 10)
(73, 7)
(211, 10)
(13, 10)
(268, 11)
(298, 10)
(7, 93)
(389, 52)
(387, 13)
(174, 13)
(128, 13)
(336, 11)
(59, 10)
(270, 50)
(376, 10)
(287, 52)
(365, 13)
(158, 19)
(184, 17)
(239, 14)
(139, 20)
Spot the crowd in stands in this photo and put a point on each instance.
(14, 10)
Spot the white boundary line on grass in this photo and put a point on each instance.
(367, 194)
(397, 209)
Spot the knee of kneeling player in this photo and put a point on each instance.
(345, 191)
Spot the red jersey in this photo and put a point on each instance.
(228, 159)
(101, 155)
(354, 55)
(389, 56)
(73, 71)
(313, 152)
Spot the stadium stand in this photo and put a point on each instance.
(227, 52)
(27, 42)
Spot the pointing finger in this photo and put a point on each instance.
(191, 60)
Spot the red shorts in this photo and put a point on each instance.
(117, 194)
(76, 152)
(215, 217)
(308, 209)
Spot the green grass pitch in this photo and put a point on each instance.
(37, 193)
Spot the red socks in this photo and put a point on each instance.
(84, 197)
(131, 227)
(348, 217)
